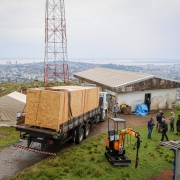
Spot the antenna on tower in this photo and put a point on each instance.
(56, 59)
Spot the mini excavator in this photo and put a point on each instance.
(115, 152)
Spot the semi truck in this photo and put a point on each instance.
(73, 128)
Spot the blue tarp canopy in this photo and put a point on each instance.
(141, 109)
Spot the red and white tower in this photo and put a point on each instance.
(56, 59)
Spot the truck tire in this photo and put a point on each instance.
(87, 130)
(80, 135)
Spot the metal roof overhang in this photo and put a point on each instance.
(95, 82)
(115, 88)
(135, 81)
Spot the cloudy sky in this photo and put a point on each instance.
(96, 29)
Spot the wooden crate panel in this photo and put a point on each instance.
(91, 99)
(65, 111)
(50, 110)
(32, 102)
(76, 99)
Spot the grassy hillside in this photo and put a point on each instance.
(6, 88)
(8, 135)
(86, 161)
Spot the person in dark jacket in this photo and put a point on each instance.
(178, 125)
(148, 103)
(150, 127)
(157, 119)
(164, 129)
(160, 120)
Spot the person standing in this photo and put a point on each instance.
(164, 129)
(178, 125)
(160, 120)
(150, 127)
(157, 119)
(115, 110)
(172, 122)
(148, 103)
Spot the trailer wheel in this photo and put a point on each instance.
(80, 135)
(87, 130)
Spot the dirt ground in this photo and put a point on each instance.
(165, 175)
(14, 160)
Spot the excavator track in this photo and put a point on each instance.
(118, 161)
(34, 150)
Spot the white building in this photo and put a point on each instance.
(132, 88)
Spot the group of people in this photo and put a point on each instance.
(163, 128)
(162, 125)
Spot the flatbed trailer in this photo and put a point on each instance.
(75, 129)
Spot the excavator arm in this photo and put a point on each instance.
(118, 145)
(128, 131)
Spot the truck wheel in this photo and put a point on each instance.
(87, 130)
(80, 135)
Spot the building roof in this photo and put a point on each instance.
(111, 77)
(123, 81)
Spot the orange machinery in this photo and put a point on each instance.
(115, 152)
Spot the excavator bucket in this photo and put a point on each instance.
(118, 160)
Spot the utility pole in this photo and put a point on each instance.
(56, 59)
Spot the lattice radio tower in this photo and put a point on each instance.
(56, 59)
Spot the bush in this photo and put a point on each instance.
(178, 107)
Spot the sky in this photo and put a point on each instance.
(96, 29)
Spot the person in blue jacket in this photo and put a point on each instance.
(150, 127)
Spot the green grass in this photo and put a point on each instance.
(8, 135)
(177, 107)
(9, 87)
(86, 161)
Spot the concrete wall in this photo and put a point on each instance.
(160, 99)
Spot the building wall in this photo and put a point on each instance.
(132, 95)
(160, 99)
(149, 84)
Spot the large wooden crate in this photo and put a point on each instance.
(51, 107)
(45, 108)
(81, 99)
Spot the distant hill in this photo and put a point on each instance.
(9, 87)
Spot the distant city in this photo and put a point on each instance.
(28, 72)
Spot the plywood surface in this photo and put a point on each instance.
(51, 107)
